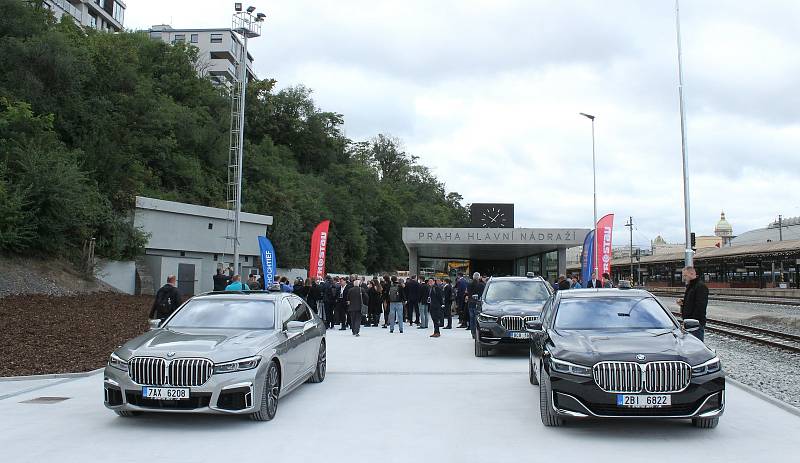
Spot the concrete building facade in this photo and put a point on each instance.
(219, 50)
(103, 15)
(492, 251)
(191, 242)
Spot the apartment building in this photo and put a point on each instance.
(104, 15)
(219, 50)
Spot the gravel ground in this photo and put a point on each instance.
(773, 371)
(45, 334)
(27, 275)
(782, 318)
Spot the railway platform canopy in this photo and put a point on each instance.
(763, 265)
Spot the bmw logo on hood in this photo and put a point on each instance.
(170, 354)
(641, 357)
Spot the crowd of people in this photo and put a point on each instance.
(389, 302)
(392, 303)
(574, 282)
(352, 302)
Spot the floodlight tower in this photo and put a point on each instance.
(247, 25)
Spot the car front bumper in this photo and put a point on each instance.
(493, 334)
(229, 393)
(580, 397)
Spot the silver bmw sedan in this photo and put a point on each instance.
(232, 353)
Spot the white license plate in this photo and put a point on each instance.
(644, 401)
(165, 393)
(520, 335)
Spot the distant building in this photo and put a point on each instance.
(103, 15)
(724, 230)
(191, 242)
(789, 230)
(219, 50)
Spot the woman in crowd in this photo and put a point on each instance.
(374, 291)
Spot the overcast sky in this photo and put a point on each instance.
(487, 94)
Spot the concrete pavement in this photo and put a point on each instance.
(388, 398)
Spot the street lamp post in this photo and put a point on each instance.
(594, 191)
(246, 24)
(689, 254)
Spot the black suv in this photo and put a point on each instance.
(506, 304)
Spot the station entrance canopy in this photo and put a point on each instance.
(498, 245)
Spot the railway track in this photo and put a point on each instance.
(786, 341)
(749, 299)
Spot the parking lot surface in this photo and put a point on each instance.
(388, 398)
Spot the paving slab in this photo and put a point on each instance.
(388, 398)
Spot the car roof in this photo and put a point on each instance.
(256, 295)
(602, 292)
(516, 279)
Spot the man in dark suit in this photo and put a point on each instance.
(594, 282)
(435, 306)
(220, 280)
(412, 293)
(340, 293)
(355, 300)
(695, 300)
(448, 302)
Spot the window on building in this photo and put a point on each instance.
(179, 38)
(216, 257)
(183, 253)
(216, 38)
(210, 226)
(119, 12)
(93, 21)
(194, 38)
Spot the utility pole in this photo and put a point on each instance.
(630, 225)
(594, 196)
(780, 238)
(689, 254)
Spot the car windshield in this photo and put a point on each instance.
(611, 312)
(526, 290)
(225, 313)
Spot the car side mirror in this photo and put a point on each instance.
(533, 326)
(690, 324)
(154, 324)
(295, 326)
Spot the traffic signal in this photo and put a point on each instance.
(694, 243)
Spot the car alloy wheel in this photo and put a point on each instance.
(549, 417)
(319, 373)
(532, 371)
(269, 399)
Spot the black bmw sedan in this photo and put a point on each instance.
(507, 303)
(609, 353)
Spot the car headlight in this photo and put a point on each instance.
(569, 368)
(237, 365)
(116, 362)
(711, 366)
(485, 317)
